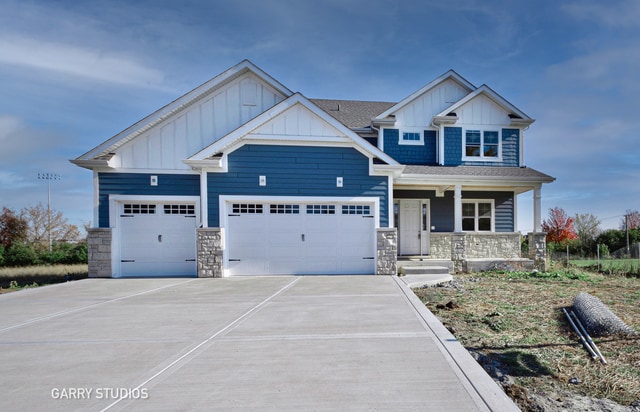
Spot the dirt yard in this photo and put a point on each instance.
(512, 323)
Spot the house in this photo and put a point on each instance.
(242, 176)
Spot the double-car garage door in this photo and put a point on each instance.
(159, 239)
(300, 238)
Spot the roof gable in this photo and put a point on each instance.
(450, 76)
(295, 120)
(516, 116)
(242, 72)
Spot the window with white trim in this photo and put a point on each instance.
(411, 138)
(482, 144)
(284, 209)
(356, 210)
(321, 209)
(477, 215)
(247, 208)
(139, 209)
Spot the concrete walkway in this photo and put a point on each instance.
(246, 343)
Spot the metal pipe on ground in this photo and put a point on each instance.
(589, 340)
(584, 341)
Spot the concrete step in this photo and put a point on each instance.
(424, 270)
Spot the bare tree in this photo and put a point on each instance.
(587, 226)
(39, 228)
(631, 218)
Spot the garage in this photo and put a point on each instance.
(157, 239)
(323, 238)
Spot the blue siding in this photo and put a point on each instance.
(411, 154)
(296, 171)
(138, 184)
(452, 146)
(442, 207)
(510, 150)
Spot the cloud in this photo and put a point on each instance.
(71, 60)
(617, 14)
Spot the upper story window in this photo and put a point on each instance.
(482, 145)
(413, 138)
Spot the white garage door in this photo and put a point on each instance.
(301, 238)
(157, 239)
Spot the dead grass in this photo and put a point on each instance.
(12, 279)
(515, 319)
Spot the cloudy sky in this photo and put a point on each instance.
(73, 74)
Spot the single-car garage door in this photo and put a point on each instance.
(157, 239)
(300, 238)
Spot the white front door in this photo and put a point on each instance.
(413, 226)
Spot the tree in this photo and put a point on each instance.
(632, 218)
(587, 228)
(559, 226)
(12, 228)
(40, 227)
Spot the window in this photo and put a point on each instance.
(284, 209)
(477, 215)
(246, 208)
(356, 210)
(482, 144)
(412, 138)
(138, 209)
(179, 210)
(321, 209)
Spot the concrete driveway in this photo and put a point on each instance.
(259, 343)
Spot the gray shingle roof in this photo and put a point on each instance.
(354, 114)
(480, 171)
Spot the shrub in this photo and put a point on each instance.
(21, 254)
(1, 255)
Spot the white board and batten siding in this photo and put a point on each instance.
(482, 111)
(198, 126)
(420, 111)
(297, 121)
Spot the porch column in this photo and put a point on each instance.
(457, 209)
(537, 213)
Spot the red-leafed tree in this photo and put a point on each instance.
(12, 228)
(559, 226)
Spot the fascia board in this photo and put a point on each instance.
(183, 102)
(450, 179)
(451, 74)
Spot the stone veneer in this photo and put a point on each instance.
(387, 251)
(209, 255)
(99, 252)
(538, 250)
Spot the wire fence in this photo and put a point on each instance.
(623, 261)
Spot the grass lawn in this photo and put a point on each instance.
(609, 265)
(12, 279)
(514, 321)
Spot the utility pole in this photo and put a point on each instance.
(626, 226)
(49, 177)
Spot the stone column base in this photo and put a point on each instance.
(99, 252)
(538, 250)
(209, 257)
(387, 251)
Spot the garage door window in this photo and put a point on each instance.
(139, 209)
(189, 210)
(356, 210)
(321, 209)
(246, 208)
(284, 209)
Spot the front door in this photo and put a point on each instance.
(413, 226)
